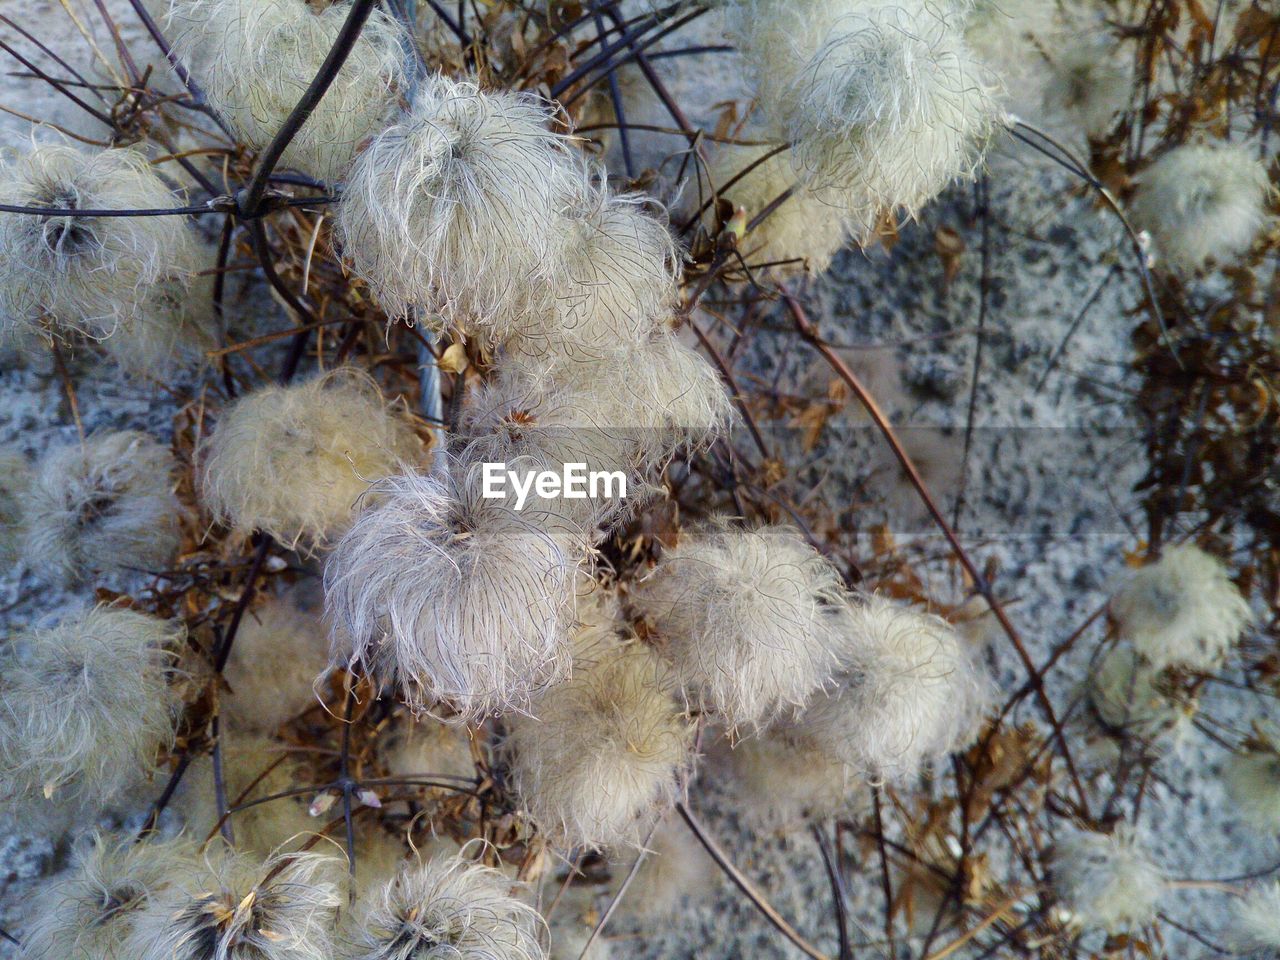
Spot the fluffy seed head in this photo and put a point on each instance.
(457, 598)
(279, 651)
(89, 911)
(1087, 86)
(780, 780)
(424, 748)
(84, 705)
(446, 907)
(1203, 201)
(85, 274)
(883, 102)
(1132, 698)
(1253, 780)
(456, 207)
(745, 618)
(254, 59)
(911, 692)
(805, 227)
(1107, 881)
(1257, 920)
(616, 283)
(253, 767)
(106, 505)
(239, 908)
(168, 332)
(1183, 610)
(674, 873)
(597, 758)
(293, 461)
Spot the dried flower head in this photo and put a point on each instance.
(456, 208)
(445, 907)
(238, 908)
(1088, 84)
(85, 706)
(597, 758)
(293, 461)
(422, 749)
(911, 692)
(745, 618)
(1107, 881)
(457, 598)
(882, 102)
(1257, 920)
(802, 234)
(16, 477)
(104, 505)
(279, 652)
(85, 274)
(1182, 610)
(254, 59)
(1203, 201)
(781, 780)
(168, 332)
(1253, 779)
(1132, 698)
(89, 910)
(616, 283)
(253, 767)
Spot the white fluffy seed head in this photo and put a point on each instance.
(279, 652)
(1088, 85)
(169, 331)
(674, 873)
(615, 283)
(293, 461)
(16, 476)
(1182, 610)
(1203, 201)
(1134, 699)
(781, 781)
(1107, 881)
(1257, 920)
(597, 758)
(911, 692)
(883, 102)
(89, 911)
(253, 767)
(445, 907)
(456, 208)
(426, 748)
(458, 599)
(806, 227)
(85, 706)
(239, 908)
(106, 505)
(744, 616)
(254, 59)
(85, 274)
(1252, 777)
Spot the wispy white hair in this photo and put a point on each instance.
(445, 907)
(745, 619)
(456, 208)
(278, 653)
(656, 396)
(912, 692)
(1257, 919)
(239, 908)
(779, 780)
(85, 706)
(16, 476)
(1134, 699)
(89, 910)
(425, 748)
(85, 274)
(1203, 201)
(293, 460)
(616, 280)
(674, 873)
(1088, 84)
(883, 102)
(106, 505)
(1107, 881)
(1252, 777)
(457, 598)
(255, 58)
(805, 227)
(596, 760)
(168, 332)
(1181, 610)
